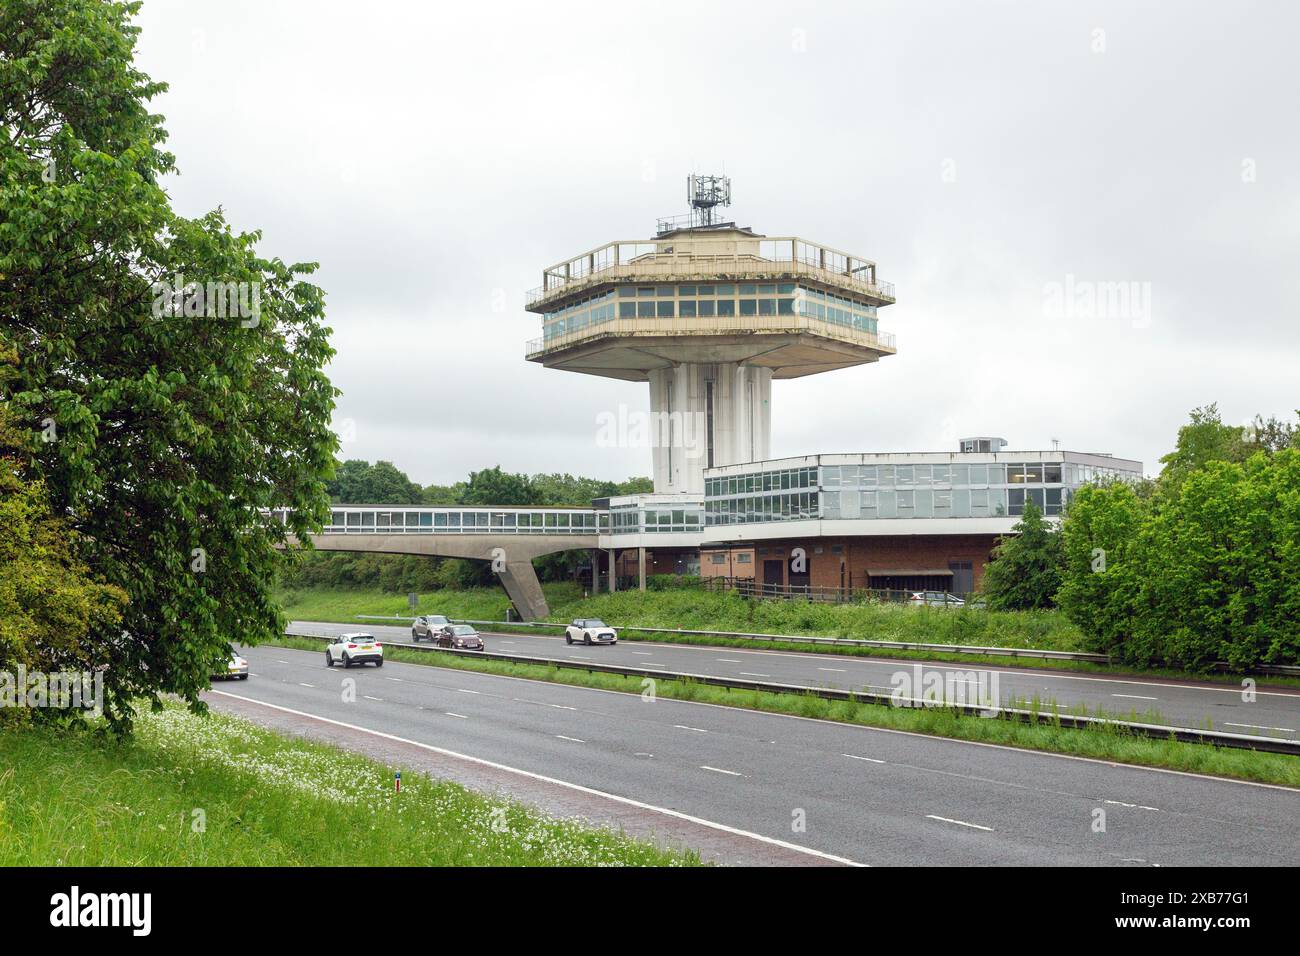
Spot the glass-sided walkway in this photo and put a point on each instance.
(394, 519)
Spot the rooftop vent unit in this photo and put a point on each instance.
(984, 445)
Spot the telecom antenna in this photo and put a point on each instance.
(706, 193)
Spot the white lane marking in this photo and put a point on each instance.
(643, 653)
(251, 674)
(574, 739)
(728, 660)
(579, 657)
(368, 697)
(507, 642)
(525, 700)
(462, 690)
(1135, 696)
(561, 706)
(278, 661)
(627, 801)
(1285, 730)
(301, 684)
(930, 738)
(460, 716)
(642, 753)
(960, 823)
(1131, 806)
(653, 664)
(833, 670)
(752, 674)
(867, 759)
(696, 729)
(729, 773)
(396, 679)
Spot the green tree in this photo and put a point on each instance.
(1204, 439)
(48, 599)
(442, 494)
(1026, 568)
(492, 486)
(178, 425)
(1272, 435)
(1105, 562)
(358, 482)
(1207, 572)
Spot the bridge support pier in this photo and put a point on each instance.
(520, 581)
(613, 572)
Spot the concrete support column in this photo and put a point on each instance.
(595, 571)
(613, 571)
(640, 561)
(525, 591)
(685, 399)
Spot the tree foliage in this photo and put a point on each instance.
(1026, 568)
(361, 483)
(1206, 438)
(48, 600)
(1207, 570)
(175, 430)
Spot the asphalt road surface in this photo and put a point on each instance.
(1273, 712)
(834, 791)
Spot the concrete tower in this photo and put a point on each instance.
(708, 313)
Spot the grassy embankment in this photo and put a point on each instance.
(72, 798)
(695, 609)
(1101, 743)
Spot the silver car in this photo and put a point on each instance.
(428, 626)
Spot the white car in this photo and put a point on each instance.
(590, 630)
(935, 599)
(236, 666)
(354, 648)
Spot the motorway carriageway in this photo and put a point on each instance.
(1273, 713)
(806, 791)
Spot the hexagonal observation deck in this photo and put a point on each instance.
(709, 313)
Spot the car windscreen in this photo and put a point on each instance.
(595, 622)
(436, 619)
(461, 629)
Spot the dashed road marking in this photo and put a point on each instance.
(626, 801)
(960, 823)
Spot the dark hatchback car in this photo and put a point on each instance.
(460, 637)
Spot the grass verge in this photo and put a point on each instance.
(221, 791)
(1102, 743)
(694, 609)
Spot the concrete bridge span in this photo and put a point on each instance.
(511, 555)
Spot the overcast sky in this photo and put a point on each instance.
(435, 157)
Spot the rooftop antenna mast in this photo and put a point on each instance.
(705, 194)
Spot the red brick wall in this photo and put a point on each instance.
(861, 556)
